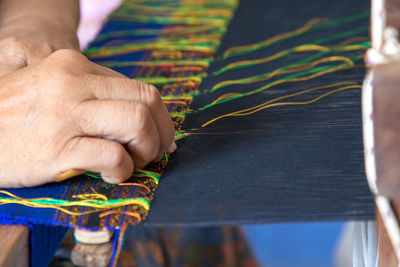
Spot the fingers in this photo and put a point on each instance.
(123, 110)
(129, 122)
(104, 156)
(106, 84)
(123, 88)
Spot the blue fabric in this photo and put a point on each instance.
(27, 215)
(115, 25)
(46, 228)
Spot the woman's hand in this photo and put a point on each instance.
(21, 46)
(65, 112)
(31, 30)
(19, 52)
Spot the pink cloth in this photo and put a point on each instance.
(93, 14)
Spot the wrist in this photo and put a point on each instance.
(41, 28)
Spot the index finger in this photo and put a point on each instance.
(116, 88)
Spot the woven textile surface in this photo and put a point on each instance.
(289, 162)
(138, 32)
(284, 164)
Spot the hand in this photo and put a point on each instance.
(16, 53)
(21, 47)
(66, 112)
(30, 30)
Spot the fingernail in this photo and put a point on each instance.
(110, 180)
(172, 147)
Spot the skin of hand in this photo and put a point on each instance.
(31, 30)
(65, 112)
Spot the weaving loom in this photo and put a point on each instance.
(380, 113)
(299, 159)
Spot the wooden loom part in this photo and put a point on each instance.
(384, 66)
(387, 146)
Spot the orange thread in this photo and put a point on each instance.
(129, 213)
(183, 103)
(137, 184)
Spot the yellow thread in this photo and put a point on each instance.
(153, 80)
(302, 48)
(248, 111)
(186, 10)
(178, 115)
(276, 55)
(147, 174)
(271, 40)
(280, 71)
(193, 13)
(305, 78)
(91, 196)
(177, 97)
(96, 207)
(174, 54)
(303, 102)
(146, 171)
(104, 52)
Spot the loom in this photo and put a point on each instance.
(268, 113)
(380, 126)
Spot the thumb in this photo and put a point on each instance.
(99, 155)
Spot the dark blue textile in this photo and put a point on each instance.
(298, 163)
(283, 164)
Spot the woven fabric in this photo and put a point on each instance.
(285, 163)
(139, 32)
(146, 31)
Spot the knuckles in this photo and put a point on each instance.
(67, 55)
(153, 95)
(142, 117)
(66, 59)
(148, 93)
(115, 156)
(60, 67)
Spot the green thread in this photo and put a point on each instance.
(260, 76)
(291, 50)
(323, 25)
(197, 62)
(218, 30)
(296, 75)
(164, 80)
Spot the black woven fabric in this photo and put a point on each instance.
(289, 163)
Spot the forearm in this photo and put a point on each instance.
(55, 21)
